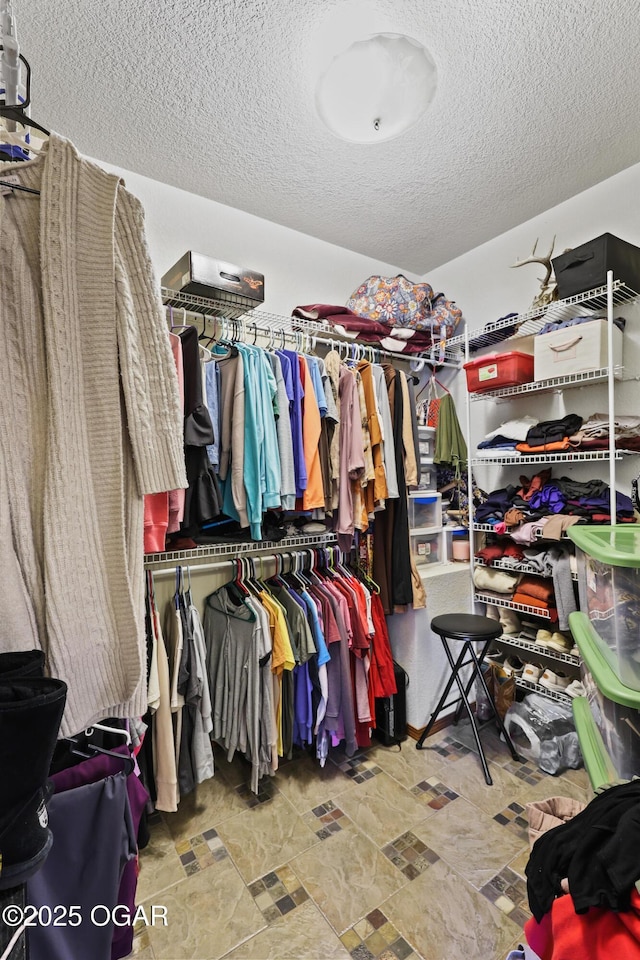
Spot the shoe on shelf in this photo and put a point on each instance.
(543, 637)
(513, 667)
(576, 689)
(559, 642)
(531, 672)
(497, 657)
(554, 681)
(574, 651)
(509, 621)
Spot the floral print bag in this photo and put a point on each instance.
(398, 302)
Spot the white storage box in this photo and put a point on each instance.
(576, 349)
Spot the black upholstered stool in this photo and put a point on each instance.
(467, 628)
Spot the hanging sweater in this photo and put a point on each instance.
(91, 422)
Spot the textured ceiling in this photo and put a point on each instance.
(537, 100)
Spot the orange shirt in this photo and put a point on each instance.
(313, 496)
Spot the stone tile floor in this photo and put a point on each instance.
(339, 891)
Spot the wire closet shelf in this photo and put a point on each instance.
(532, 321)
(238, 549)
(545, 691)
(539, 650)
(510, 568)
(491, 598)
(566, 457)
(247, 324)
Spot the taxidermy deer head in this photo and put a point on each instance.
(548, 286)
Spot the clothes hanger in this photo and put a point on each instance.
(16, 113)
(180, 326)
(118, 731)
(90, 750)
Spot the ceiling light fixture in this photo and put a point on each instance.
(377, 88)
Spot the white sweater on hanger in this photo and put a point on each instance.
(89, 422)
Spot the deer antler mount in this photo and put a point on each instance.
(548, 285)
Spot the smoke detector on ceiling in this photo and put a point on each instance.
(377, 88)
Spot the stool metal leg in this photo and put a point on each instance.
(479, 661)
(465, 698)
(441, 702)
(499, 720)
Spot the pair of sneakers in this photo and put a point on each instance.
(555, 640)
(557, 682)
(508, 666)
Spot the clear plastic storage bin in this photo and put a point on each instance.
(425, 510)
(614, 706)
(425, 448)
(426, 547)
(609, 588)
(428, 479)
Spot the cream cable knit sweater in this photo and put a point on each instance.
(89, 422)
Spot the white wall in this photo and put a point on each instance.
(485, 287)
(298, 269)
(482, 281)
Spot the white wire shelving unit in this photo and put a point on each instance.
(600, 301)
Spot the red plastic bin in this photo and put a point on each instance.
(496, 370)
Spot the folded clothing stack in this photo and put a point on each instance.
(535, 592)
(551, 435)
(506, 551)
(496, 581)
(350, 324)
(540, 497)
(508, 434)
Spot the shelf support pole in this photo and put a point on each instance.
(611, 398)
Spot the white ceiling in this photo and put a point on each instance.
(537, 100)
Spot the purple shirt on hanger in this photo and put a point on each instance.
(296, 421)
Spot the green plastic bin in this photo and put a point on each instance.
(611, 743)
(609, 588)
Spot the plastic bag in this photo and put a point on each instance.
(539, 728)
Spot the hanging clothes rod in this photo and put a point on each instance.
(257, 561)
(282, 330)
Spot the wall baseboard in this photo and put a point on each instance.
(440, 724)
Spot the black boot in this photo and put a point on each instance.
(30, 714)
(28, 663)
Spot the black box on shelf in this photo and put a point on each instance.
(204, 276)
(585, 267)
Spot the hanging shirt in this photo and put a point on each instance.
(313, 496)
(410, 460)
(316, 378)
(232, 400)
(332, 367)
(351, 455)
(285, 440)
(212, 394)
(270, 471)
(386, 428)
(376, 492)
(297, 392)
